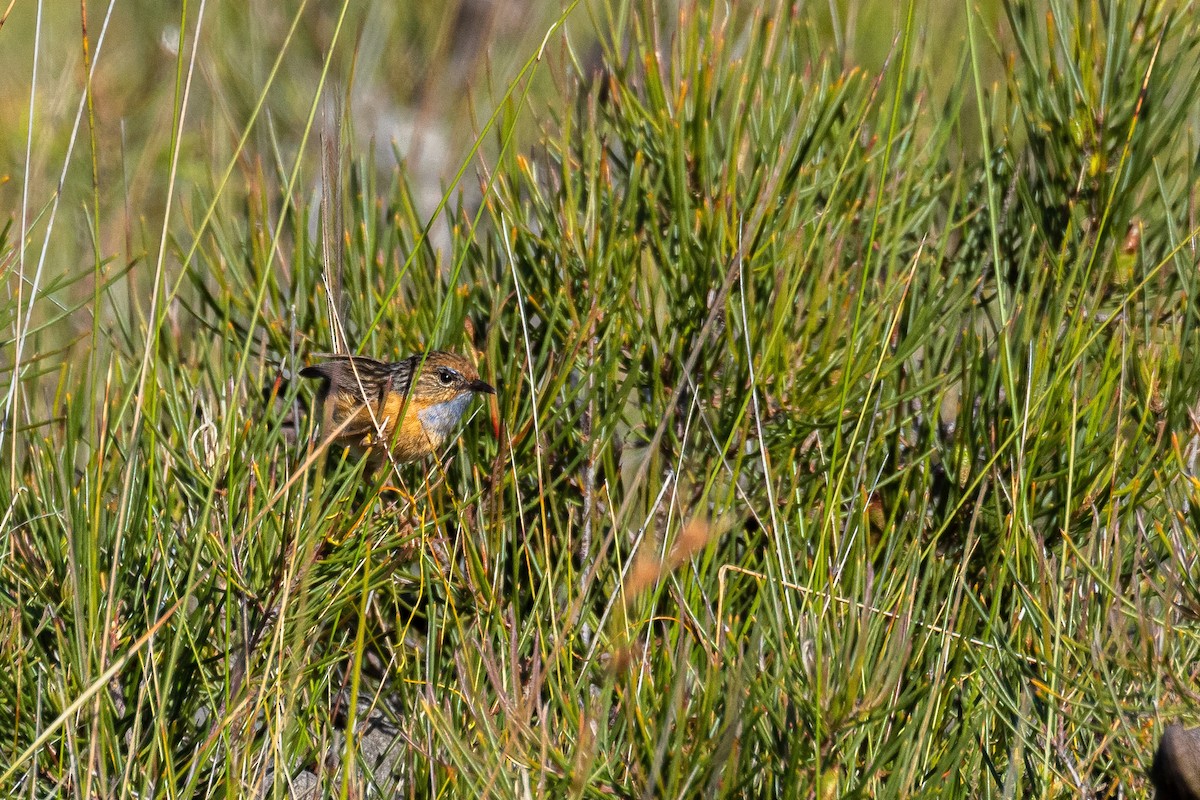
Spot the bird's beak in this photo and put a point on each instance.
(481, 387)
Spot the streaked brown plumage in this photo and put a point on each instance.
(368, 397)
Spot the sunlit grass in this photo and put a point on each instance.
(844, 444)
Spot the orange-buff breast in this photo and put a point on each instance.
(408, 441)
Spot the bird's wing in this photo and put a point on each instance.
(331, 366)
(348, 371)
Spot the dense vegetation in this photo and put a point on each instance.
(845, 443)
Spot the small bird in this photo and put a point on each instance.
(407, 408)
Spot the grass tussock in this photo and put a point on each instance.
(845, 439)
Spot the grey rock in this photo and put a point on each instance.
(1176, 768)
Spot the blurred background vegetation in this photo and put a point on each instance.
(848, 413)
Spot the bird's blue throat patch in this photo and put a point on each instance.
(439, 420)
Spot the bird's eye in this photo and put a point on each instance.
(446, 376)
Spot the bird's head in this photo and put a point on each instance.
(443, 388)
(445, 377)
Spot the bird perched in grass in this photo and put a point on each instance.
(408, 408)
